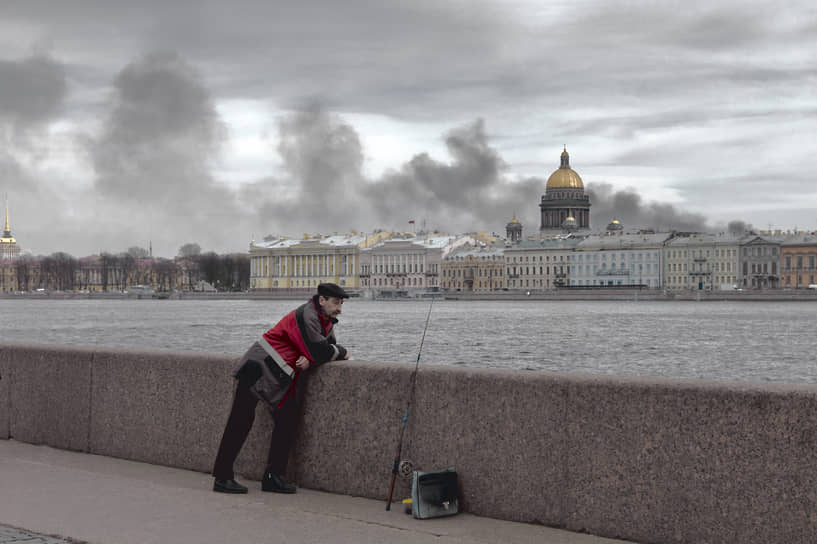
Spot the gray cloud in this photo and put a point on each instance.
(31, 90)
(32, 94)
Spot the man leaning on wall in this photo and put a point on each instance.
(273, 370)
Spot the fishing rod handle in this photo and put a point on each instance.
(391, 491)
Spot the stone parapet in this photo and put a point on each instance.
(644, 459)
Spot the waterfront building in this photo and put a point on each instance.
(619, 258)
(9, 250)
(799, 261)
(540, 264)
(410, 264)
(20, 274)
(759, 263)
(564, 206)
(8, 276)
(474, 266)
(287, 263)
(702, 262)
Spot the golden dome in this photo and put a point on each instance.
(565, 177)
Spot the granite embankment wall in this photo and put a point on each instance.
(650, 460)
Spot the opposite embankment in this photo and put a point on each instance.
(650, 460)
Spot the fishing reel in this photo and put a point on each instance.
(405, 469)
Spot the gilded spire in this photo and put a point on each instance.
(6, 229)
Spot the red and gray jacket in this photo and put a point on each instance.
(304, 331)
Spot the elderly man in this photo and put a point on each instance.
(269, 371)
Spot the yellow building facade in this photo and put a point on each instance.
(475, 268)
(285, 263)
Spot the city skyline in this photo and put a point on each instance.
(192, 122)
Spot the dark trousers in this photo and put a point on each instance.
(242, 416)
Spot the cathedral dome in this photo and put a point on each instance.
(565, 177)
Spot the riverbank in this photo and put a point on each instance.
(771, 295)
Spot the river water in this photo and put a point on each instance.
(740, 340)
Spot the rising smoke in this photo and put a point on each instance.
(629, 208)
(154, 155)
(324, 189)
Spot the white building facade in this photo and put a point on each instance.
(619, 260)
(412, 264)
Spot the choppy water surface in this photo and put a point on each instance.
(756, 341)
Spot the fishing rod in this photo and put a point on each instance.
(396, 467)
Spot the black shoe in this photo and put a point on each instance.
(228, 486)
(276, 484)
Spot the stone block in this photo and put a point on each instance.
(160, 407)
(49, 394)
(686, 461)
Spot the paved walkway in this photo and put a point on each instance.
(101, 500)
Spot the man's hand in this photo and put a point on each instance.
(302, 363)
(346, 356)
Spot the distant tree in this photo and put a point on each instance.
(137, 252)
(190, 250)
(25, 272)
(125, 266)
(109, 268)
(236, 272)
(210, 268)
(166, 272)
(57, 271)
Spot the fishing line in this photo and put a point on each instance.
(397, 468)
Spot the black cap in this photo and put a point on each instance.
(332, 290)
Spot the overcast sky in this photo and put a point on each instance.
(130, 123)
